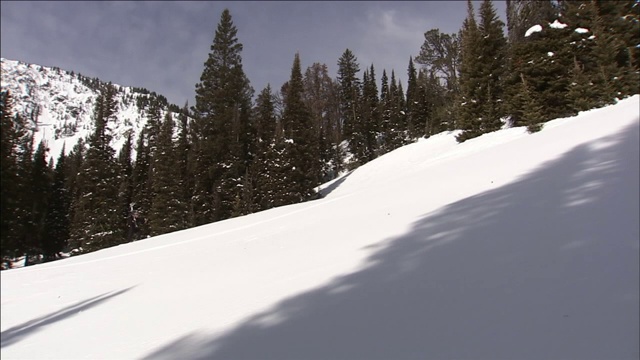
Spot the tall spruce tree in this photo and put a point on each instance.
(10, 135)
(96, 222)
(397, 115)
(415, 123)
(166, 208)
(302, 145)
(369, 124)
(142, 191)
(125, 191)
(40, 193)
(385, 113)
(493, 45)
(222, 109)
(350, 90)
(469, 108)
(263, 171)
(183, 149)
(57, 221)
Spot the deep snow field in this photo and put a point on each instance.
(507, 246)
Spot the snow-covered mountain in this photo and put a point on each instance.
(59, 104)
(507, 246)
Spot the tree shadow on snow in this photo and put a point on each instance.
(336, 184)
(19, 332)
(545, 267)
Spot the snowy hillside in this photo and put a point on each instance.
(507, 246)
(59, 105)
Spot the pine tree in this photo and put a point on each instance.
(39, 201)
(469, 108)
(302, 145)
(142, 191)
(396, 132)
(369, 124)
(183, 149)
(581, 90)
(321, 97)
(350, 89)
(415, 124)
(9, 137)
(440, 53)
(440, 57)
(166, 208)
(262, 170)
(385, 114)
(96, 222)
(493, 47)
(223, 104)
(533, 112)
(545, 59)
(125, 190)
(57, 220)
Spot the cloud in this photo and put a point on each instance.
(389, 38)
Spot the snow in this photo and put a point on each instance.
(581, 30)
(534, 29)
(557, 25)
(507, 246)
(64, 100)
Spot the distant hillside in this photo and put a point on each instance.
(59, 104)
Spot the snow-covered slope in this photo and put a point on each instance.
(508, 246)
(59, 105)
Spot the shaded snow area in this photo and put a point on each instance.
(507, 246)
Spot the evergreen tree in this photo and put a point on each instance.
(96, 223)
(532, 111)
(493, 47)
(263, 172)
(9, 138)
(125, 191)
(440, 57)
(469, 108)
(397, 115)
(303, 142)
(73, 185)
(321, 97)
(142, 191)
(183, 149)
(350, 89)
(39, 196)
(415, 124)
(369, 124)
(440, 53)
(223, 104)
(166, 208)
(385, 114)
(57, 221)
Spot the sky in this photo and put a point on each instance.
(162, 46)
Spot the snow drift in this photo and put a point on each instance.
(508, 246)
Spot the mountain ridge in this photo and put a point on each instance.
(58, 105)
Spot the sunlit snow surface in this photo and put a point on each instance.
(507, 246)
(534, 29)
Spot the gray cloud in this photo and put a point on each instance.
(162, 46)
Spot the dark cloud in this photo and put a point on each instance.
(162, 46)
